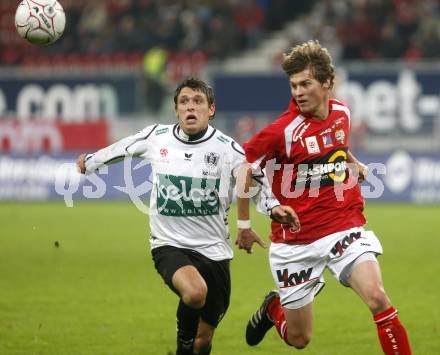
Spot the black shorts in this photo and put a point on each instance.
(168, 260)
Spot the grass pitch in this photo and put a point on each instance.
(81, 281)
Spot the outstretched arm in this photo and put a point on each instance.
(266, 203)
(130, 146)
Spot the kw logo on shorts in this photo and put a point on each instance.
(343, 244)
(295, 278)
(182, 196)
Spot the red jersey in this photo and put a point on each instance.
(311, 174)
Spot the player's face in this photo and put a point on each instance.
(310, 95)
(193, 111)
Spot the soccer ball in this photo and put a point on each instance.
(40, 22)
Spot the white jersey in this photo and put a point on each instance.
(193, 184)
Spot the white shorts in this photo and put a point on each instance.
(298, 269)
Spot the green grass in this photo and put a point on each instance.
(98, 292)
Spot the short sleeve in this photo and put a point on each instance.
(263, 146)
(134, 145)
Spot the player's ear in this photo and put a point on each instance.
(326, 84)
(211, 111)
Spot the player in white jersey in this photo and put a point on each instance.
(194, 168)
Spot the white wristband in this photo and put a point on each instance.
(244, 224)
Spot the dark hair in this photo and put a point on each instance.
(310, 55)
(197, 85)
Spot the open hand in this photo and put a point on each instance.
(246, 238)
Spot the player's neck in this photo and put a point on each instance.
(322, 111)
(320, 114)
(191, 137)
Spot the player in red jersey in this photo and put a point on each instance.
(305, 154)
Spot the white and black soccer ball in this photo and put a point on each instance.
(40, 22)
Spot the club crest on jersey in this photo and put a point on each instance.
(340, 136)
(312, 145)
(212, 159)
(327, 141)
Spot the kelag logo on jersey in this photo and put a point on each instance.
(183, 196)
(326, 170)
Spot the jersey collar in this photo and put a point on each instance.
(198, 138)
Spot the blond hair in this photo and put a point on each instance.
(310, 55)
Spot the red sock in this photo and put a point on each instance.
(276, 314)
(392, 334)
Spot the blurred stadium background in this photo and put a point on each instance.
(117, 64)
(114, 71)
